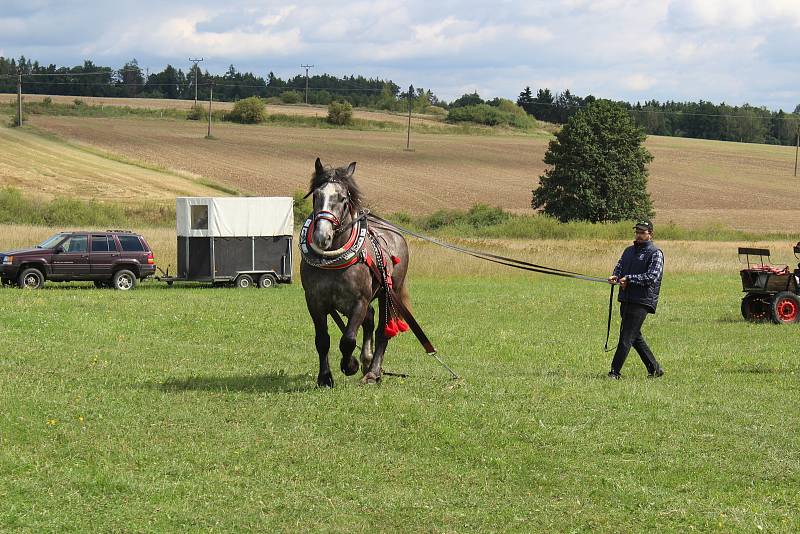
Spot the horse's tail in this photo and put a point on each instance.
(405, 297)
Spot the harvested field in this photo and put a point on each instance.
(302, 110)
(443, 171)
(48, 168)
(692, 182)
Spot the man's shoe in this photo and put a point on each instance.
(657, 373)
(614, 376)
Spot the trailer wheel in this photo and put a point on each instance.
(755, 308)
(266, 281)
(244, 281)
(785, 308)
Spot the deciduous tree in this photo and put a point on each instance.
(598, 168)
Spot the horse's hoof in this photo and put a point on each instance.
(325, 381)
(349, 367)
(370, 378)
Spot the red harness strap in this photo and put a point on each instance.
(393, 302)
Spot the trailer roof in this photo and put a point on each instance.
(234, 216)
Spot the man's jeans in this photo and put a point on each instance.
(630, 335)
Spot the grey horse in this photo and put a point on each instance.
(349, 288)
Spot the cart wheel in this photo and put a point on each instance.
(101, 284)
(243, 281)
(169, 284)
(785, 308)
(755, 308)
(266, 281)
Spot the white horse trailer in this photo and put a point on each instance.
(244, 240)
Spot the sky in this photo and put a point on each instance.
(732, 51)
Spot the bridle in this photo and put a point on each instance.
(338, 227)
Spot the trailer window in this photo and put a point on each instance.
(199, 217)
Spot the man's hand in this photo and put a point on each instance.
(623, 282)
(613, 279)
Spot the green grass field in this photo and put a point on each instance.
(192, 408)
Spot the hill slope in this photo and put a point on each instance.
(692, 182)
(45, 167)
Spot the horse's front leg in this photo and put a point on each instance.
(349, 365)
(322, 340)
(366, 344)
(373, 374)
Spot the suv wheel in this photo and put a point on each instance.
(244, 281)
(124, 280)
(31, 279)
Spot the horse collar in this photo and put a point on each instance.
(338, 259)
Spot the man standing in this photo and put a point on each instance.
(638, 273)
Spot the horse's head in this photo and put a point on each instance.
(336, 198)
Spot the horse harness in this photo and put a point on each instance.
(396, 317)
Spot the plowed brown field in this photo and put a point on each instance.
(164, 103)
(692, 182)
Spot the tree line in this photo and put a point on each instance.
(702, 120)
(699, 120)
(131, 80)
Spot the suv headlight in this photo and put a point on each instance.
(7, 260)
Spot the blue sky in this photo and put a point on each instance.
(736, 51)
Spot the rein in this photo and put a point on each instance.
(515, 263)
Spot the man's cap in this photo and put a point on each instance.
(644, 225)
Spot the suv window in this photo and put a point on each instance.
(76, 243)
(130, 243)
(101, 243)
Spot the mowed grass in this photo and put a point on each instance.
(194, 408)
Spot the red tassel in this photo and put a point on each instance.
(369, 260)
(390, 330)
(395, 260)
(402, 325)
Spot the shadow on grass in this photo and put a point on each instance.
(269, 383)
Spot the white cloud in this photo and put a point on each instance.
(732, 50)
(535, 34)
(273, 20)
(638, 82)
(448, 36)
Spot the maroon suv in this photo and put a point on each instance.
(113, 258)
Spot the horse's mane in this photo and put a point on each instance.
(340, 175)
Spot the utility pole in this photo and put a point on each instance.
(306, 67)
(19, 96)
(408, 139)
(195, 61)
(210, 99)
(796, 149)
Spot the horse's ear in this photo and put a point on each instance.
(318, 166)
(351, 169)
